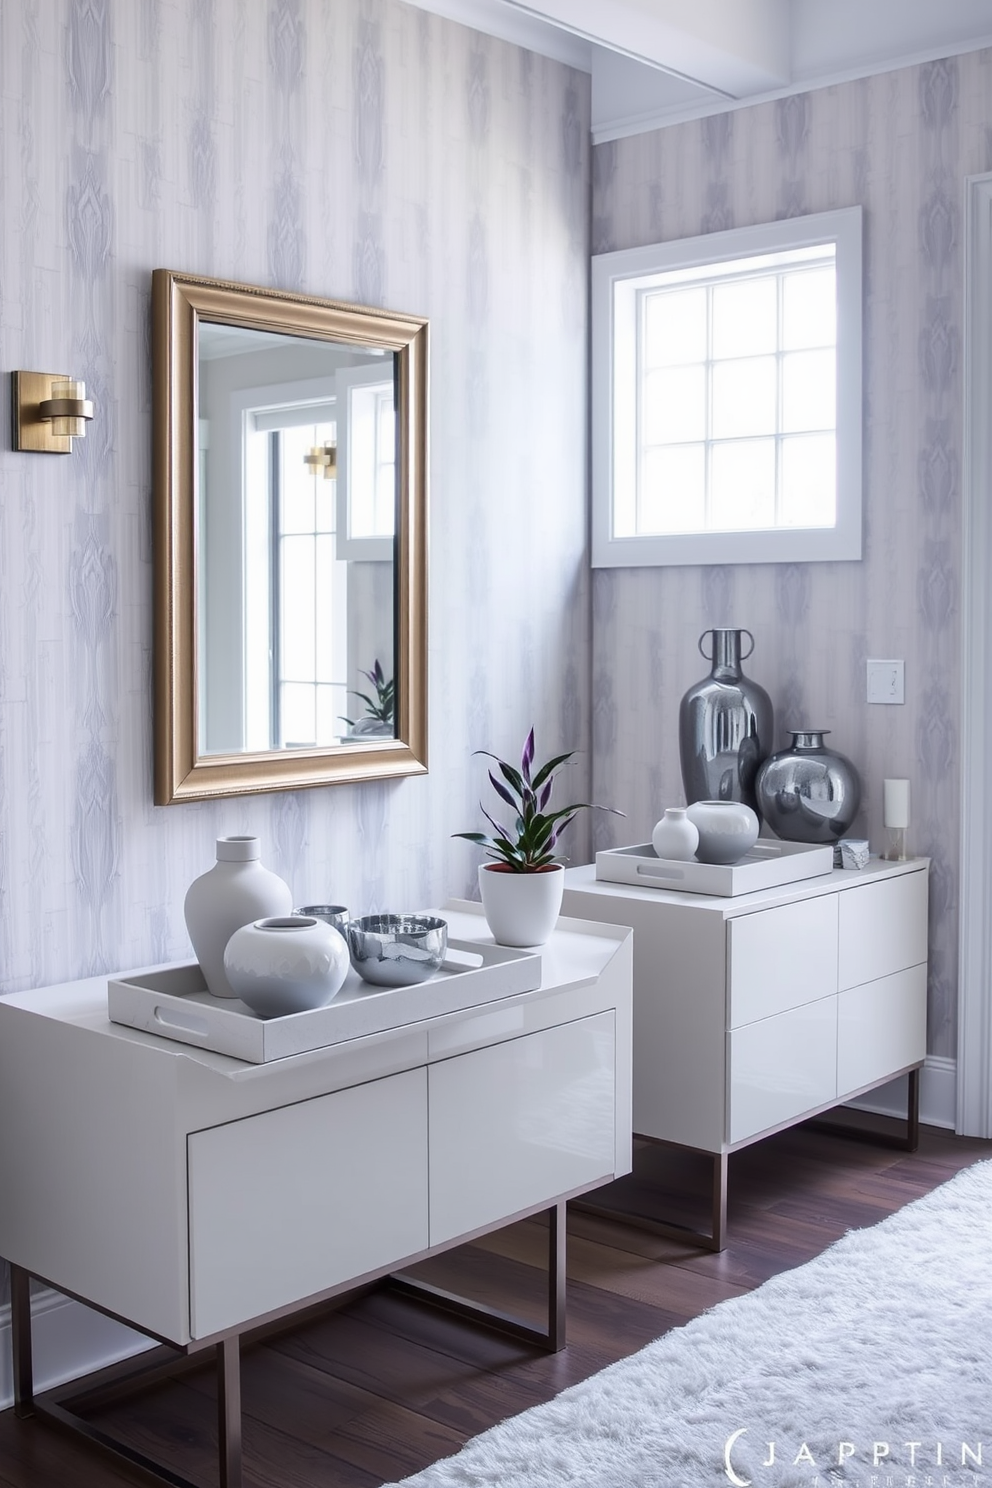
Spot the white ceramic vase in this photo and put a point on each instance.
(286, 964)
(675, 837)
(234, 892)
(727, 830)
(521, 909)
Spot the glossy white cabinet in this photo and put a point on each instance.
(512, 1122)
(190, 1193)
(753, 1012)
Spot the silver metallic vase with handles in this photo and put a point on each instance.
(726, 726)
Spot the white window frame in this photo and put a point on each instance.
(351, 382)
(614, 287)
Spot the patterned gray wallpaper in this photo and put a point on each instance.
(900, 144)
(360, 149)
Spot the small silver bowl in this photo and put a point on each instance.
(396, 950)
(331, 914)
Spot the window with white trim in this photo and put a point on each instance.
(727, 397)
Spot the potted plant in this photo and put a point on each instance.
(522, 887)
(379, 709)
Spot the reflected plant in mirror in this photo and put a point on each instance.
(378, 710)
(290, 438)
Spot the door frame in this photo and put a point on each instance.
(974, 1063)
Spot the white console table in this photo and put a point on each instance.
(755, 1012)
(194, 1196)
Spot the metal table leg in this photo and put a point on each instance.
(715, 1239)
(20, 1337)
(552, 1337)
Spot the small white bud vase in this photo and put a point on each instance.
(234, 892)
(286, 964)
(521, 909)
(727, 830)
(675, 837)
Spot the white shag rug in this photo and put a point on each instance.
(882, 1342)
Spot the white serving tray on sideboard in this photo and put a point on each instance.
(768, 864)
(175, 1004)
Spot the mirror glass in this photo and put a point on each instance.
(290, 540)
(296, 586)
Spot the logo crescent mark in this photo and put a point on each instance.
(738, 1482)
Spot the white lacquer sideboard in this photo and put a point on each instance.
(193, 1196)
(755, 1012)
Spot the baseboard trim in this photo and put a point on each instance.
(938, 1094)
(68, 1340)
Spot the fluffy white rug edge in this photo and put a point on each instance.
(879, 1340)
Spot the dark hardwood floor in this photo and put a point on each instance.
(383, 1385)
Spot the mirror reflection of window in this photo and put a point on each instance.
(367, 462)
(310, 608)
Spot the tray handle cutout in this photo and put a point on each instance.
(668, 874)
(459, 960)
(184, 1021)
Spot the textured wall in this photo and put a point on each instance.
(899, 144)
(359, 149)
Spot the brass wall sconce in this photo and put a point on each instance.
(50, 410)
(323, 457)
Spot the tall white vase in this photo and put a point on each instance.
(234, 892)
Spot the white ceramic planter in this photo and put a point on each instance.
(236, 891)
(521, 909)
(727, 830)
(675, 837)
(286, 964)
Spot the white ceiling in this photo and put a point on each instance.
(656, 62)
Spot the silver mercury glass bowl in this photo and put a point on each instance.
(331, 914)
(396, 950)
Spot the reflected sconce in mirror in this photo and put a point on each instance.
(323, 457)
(50, 410)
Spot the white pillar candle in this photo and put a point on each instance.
(895, 807)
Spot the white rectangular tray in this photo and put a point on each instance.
(175, 1004)
(768, 864)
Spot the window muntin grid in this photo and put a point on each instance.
(736, 397)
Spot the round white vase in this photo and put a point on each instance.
(675, 837)
(521, 909)
(236, 891)
(286, 964)
(727, 830)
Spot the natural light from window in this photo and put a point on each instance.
(727, 408)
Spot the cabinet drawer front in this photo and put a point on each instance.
(782, 958)
(288, 1203)
(781, 1068)
(883, 928)
(520, 1123)
(881, 1028)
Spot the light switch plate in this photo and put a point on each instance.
(886, 681)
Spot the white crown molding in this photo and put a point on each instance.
(521, 27)
(623, 128)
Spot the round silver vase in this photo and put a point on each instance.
(726, 726)
(809, 793)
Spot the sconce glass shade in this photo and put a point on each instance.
(69, 405)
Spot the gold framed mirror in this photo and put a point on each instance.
(290, 540)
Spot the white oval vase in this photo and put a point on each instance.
(286, 964)
(521, 909)
(234, 892)
(675, 837)
(727, 830)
